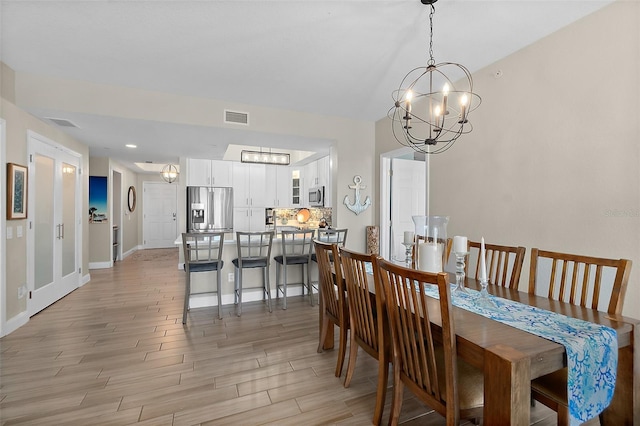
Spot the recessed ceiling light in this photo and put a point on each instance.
(130, 145)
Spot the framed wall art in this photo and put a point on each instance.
(16, 191)
(98, 199)
(131, 198)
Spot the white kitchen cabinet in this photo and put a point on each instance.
(318, 173)
(249, 219)
(323, 173)
(249, 185)
(324, 178)
(278, 186)
(202, 172)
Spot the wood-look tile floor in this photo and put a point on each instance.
(115, 352)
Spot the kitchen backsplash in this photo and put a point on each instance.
(289, 217)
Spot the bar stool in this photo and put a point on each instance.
(202, 253)
(296, 251)
(331, 236)
(254, 251)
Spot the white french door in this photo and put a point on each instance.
(159, 215)
(54, 222)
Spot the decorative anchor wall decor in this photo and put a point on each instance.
(356, 207)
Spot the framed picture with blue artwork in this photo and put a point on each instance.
(98, 199)
(16, 191)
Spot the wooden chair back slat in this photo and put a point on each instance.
(504, 263)
(587, 291)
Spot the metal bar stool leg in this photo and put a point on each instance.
(267, 286)
(187, 292)
(284, 286)
(219, 278)
(239, 311)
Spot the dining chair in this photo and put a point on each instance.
(421, 238)
(368, 322)
(504, 263)
(590, 282)
(202, 253)
(296, 251)
(333, 303)
(432, 371)
(254, 251)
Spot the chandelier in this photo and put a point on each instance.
(430, 112)
(169, 173)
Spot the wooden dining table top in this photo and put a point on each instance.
(480, 340)
(546, 355)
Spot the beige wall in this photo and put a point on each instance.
(17, 124)
(553, 158)
(353, 141)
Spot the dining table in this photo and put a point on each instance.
(510, 357)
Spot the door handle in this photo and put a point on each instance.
(62, 231)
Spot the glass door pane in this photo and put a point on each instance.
(44, 221)
(68, 229)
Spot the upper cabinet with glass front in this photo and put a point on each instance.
(209, 172)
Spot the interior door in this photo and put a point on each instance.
(407, 199)
(159, 213)
(54, 222)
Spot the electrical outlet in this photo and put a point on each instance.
(230, 277)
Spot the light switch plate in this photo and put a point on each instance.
(19, 231)
(9, 232)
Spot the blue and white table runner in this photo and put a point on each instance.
(592, 349)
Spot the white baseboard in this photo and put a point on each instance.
(14, 323)
(129, 252)
(85, 279)
(100, 265)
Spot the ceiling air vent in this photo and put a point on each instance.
(236, 117)
(62, 122)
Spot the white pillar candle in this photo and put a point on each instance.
(483, 263)
(459, 244)
(428, 259)
(408, 237)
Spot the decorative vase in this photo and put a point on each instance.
(431, 239)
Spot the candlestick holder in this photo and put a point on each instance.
(483, 299)
(460, 274)
(408, 247)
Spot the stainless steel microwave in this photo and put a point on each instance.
(316, 196)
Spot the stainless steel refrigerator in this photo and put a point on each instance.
(209, 209)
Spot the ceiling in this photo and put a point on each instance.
(329, 57)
